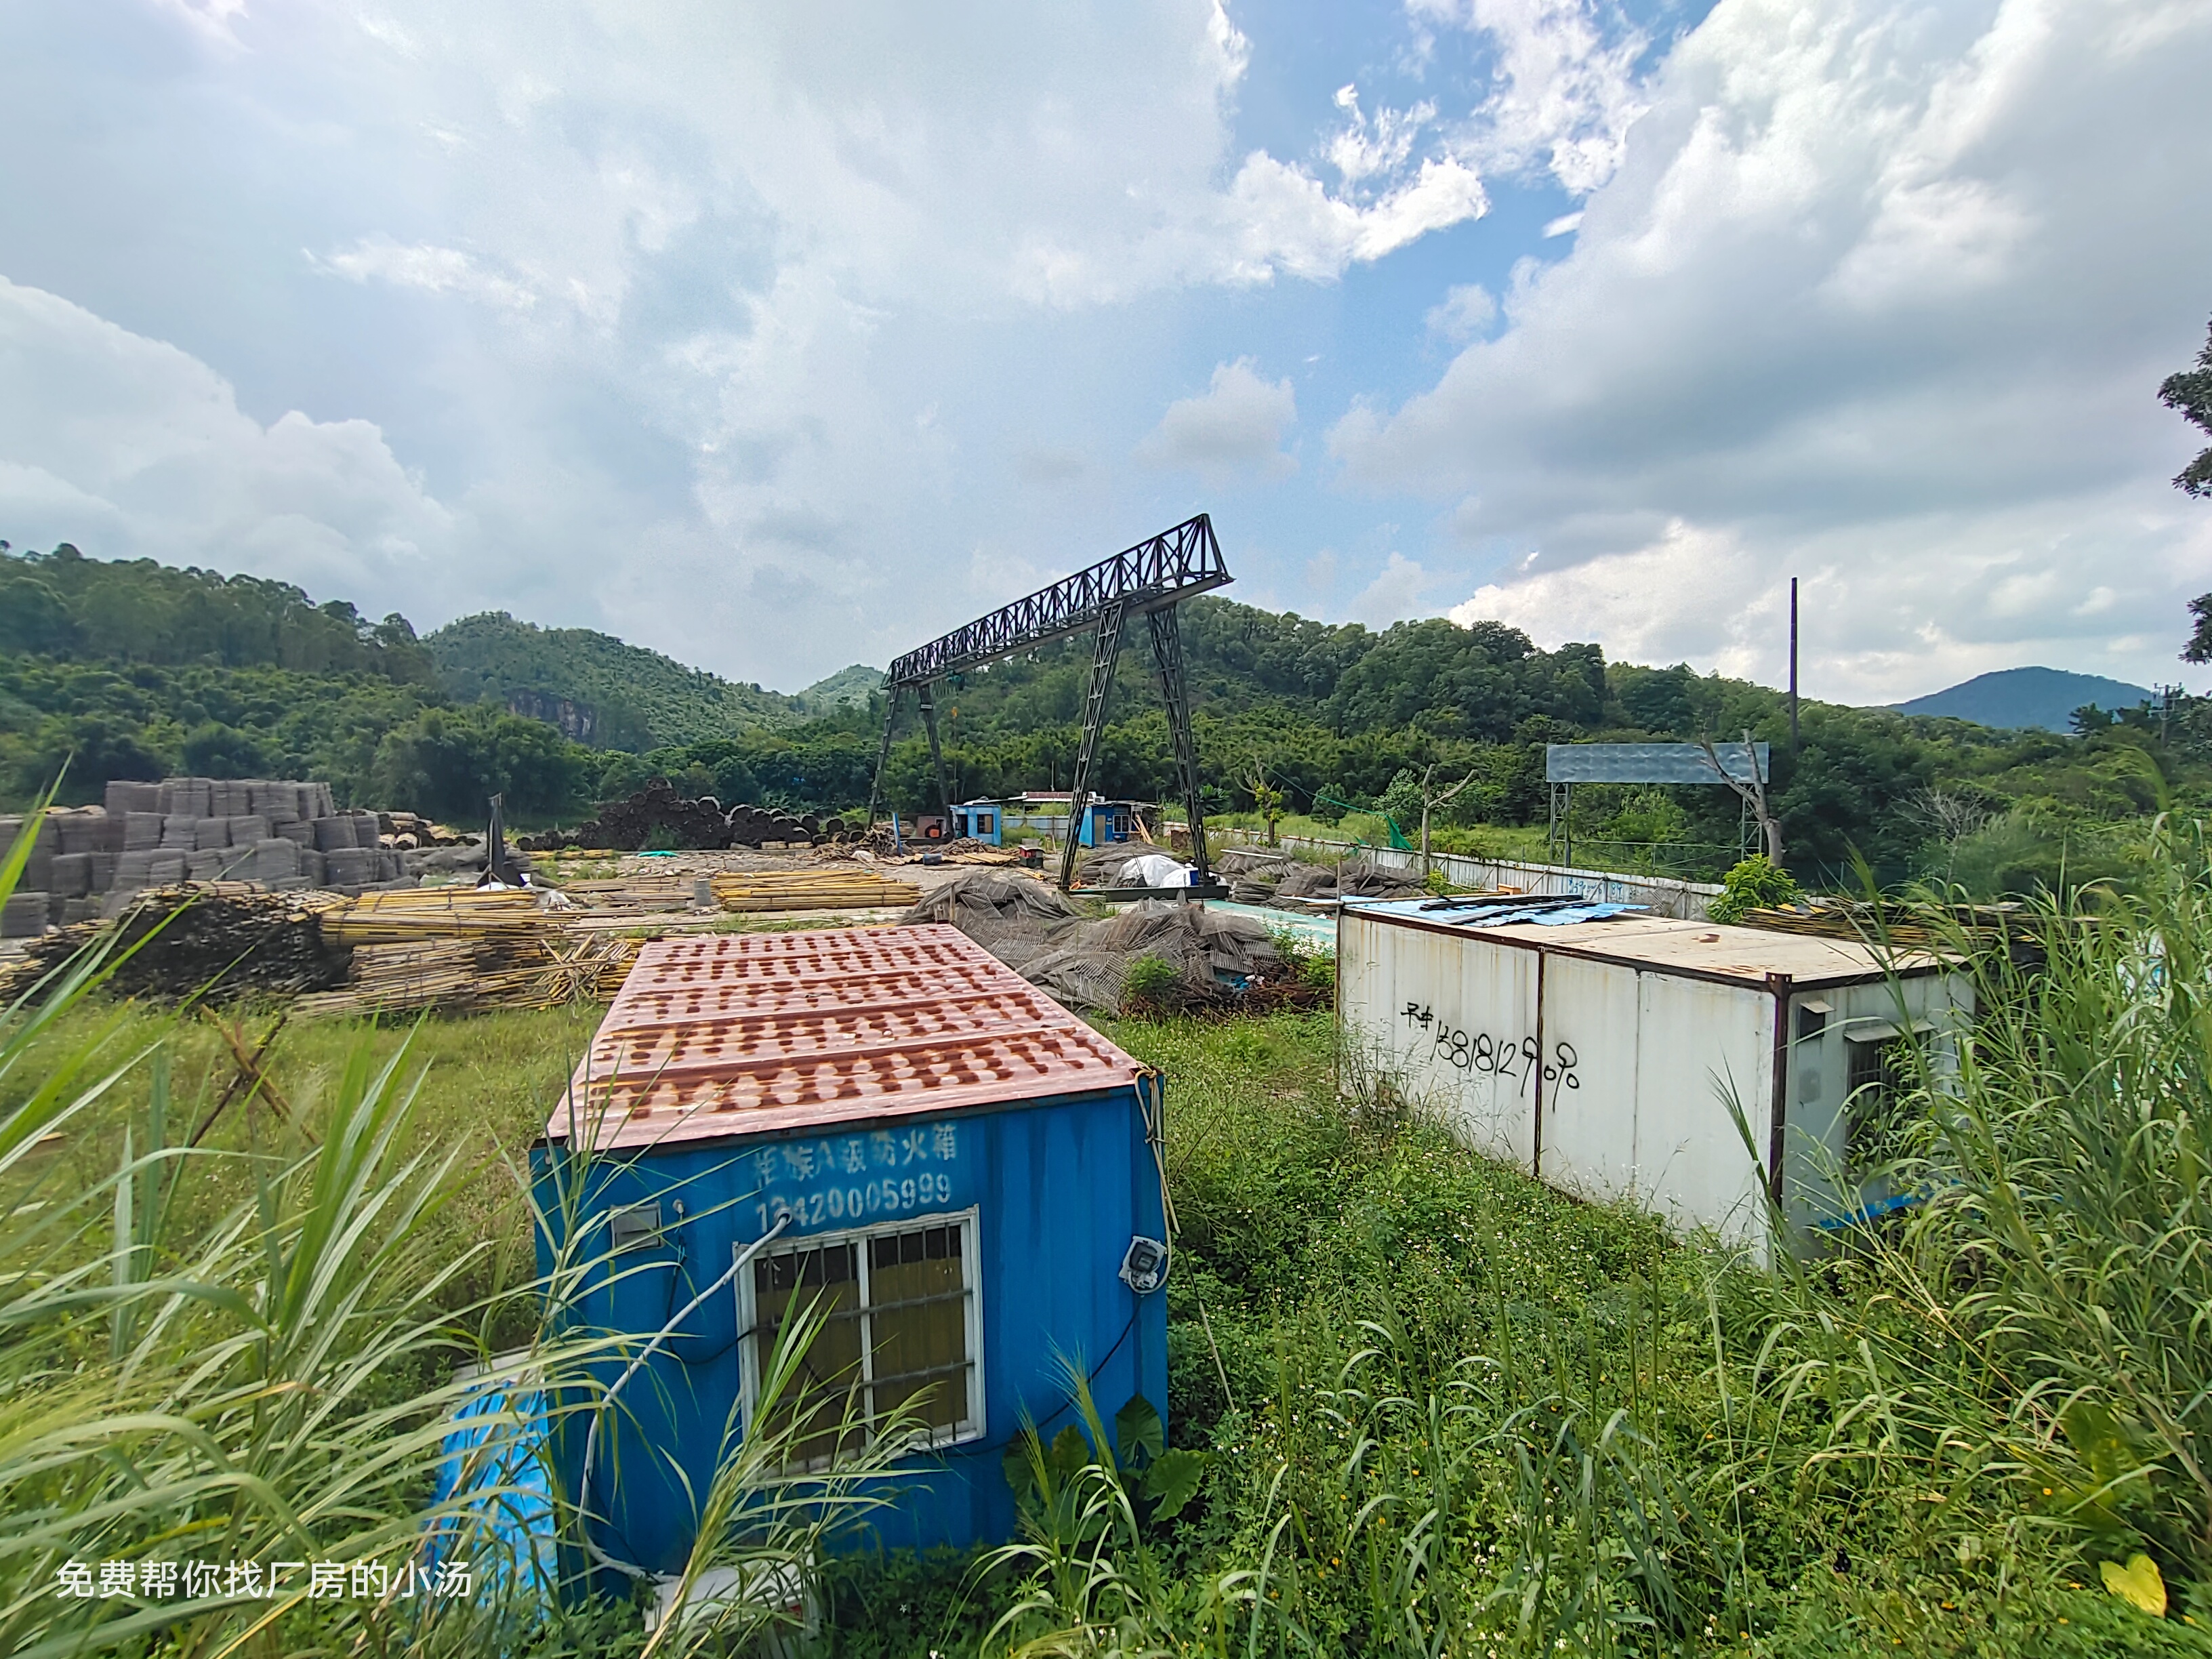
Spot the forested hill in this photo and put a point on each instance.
(848, 688)
(2045, 697)
(599, 690)
(137, 670)
(1480, 682)
(63, 604)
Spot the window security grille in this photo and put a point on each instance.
(902, 1330)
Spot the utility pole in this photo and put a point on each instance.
(1793, 664)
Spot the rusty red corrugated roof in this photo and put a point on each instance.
(736, 1034)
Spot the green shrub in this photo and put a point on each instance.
(1757, 884)
(1150, 980)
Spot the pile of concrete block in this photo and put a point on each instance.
(276, 834)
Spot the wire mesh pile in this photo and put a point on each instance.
(1017, 918)
(1035, 930)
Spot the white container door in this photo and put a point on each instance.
(1452, 1019)
(1592, 1027)
(1700, 1045)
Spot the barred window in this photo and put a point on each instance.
(1875, 1083)
(902, 1331)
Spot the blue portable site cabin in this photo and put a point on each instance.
(1102, 822)
(1109, 821)
(964, 1165)
(980, 820)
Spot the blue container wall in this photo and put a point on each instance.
(1099, 827)
(1058, 1186)
(984, 823)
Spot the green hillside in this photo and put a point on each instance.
(138, 670)
(66, 606)
(1339, 712)
(848, 688)
(135, 669)
(618, 695)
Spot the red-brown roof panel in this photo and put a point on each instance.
(737, 1034)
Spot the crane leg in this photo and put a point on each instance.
(1104, 653)
(883, 754)
(936, 755)
(1175, 691)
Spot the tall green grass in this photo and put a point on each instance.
(247, 1359)
(1447, 1410)
(1455, 1413)
(2068, 1242)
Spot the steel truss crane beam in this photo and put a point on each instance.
(1175, 565)
(1148, 581)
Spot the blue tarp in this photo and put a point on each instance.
(1543, 912)
(507, 1464)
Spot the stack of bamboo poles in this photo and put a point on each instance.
(1891, 924)
(413, 914)
(834, 889)
(634, 895)
(402, 978)
(466, 976)
(459, 949)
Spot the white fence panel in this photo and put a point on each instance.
(1664, 896)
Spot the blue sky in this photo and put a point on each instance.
(778, 338)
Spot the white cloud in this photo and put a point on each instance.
(212, 18)
(1564, 92)
(134, 449)
(690, 277)
(1284, 219)
(1399, 590)
(1466, 311)
(1878, 294)
(1366, 147)
(432, 269)
(1235, 427)
(2004, 590)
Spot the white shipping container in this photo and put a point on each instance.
(1602, 1056)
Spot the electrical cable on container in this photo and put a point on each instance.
(1151, 1080)
(598, 1412)
(978, 1448)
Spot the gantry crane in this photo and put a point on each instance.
(1148, 580)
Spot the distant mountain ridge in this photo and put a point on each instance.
(2023, 697)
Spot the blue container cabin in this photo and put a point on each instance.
(965, 1164)
(1105, 822)
(980, 820)
(1102, 822)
